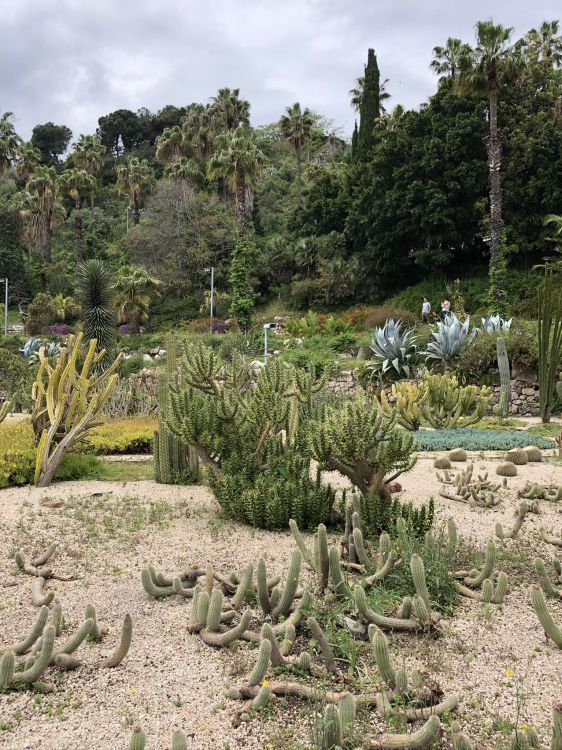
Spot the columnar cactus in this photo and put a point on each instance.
(545, 618)
(512, 533)
(502, 408)
(4, 409)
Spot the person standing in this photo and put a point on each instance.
(426, 309)
(445, 308)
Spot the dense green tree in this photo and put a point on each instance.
(42, 188)
(77, 184)
(134, 287)
(169, 144)
(135, 179)
(12, 251)
(296, 126)
(326, 203)
(121, 131)
(356, 94)
(229, 110)
(9, 142)
(239, 162)
(369, 108)
(198, 131)
(52, 141)
(239, 279)
(488, 68)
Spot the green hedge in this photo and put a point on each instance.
(477, 440)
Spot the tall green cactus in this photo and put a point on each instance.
(173, 460)
(550, 339)
(4, 409)
(501, 410)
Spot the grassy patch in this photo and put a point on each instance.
(124, 471)
(545, 430)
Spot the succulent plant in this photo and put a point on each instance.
(394, 348)
(517, 456)
(506, 469)
(441, 462)
(458, 455)
(450, 339)
(496, 324)
(534, 454)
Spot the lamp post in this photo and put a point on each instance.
(5, 305)
(266, 328)
(211, 270)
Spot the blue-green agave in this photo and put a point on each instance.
(450, 339)
(394, 348)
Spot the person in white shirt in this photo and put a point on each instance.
(426, 309)
(445, 307)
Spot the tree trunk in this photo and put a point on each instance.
(92, 203)
(493, 147)
(136, 211)
(240, 204)
(78, 231)
(299, 174)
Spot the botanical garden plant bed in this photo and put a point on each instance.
(107, 532)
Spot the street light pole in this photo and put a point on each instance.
(212, 271)
(5, 305)
(266, 328)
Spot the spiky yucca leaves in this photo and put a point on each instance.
(68, 400)
(253, 439)
(94, 293)
(394, 349)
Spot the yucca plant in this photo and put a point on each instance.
(496, 324)
(450, 339)
(94, 292)
(394, 348)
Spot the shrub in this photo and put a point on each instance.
(131, 398)
(12, 371)
(478, 362)
(125, 330)
(121, 436)
(40, 313)
(95, 294)
(56, 330)
(320, 360)
(476, 440)
(367, 318)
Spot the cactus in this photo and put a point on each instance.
(512, 533)
(323, 643)
(489, 561)
(418, 577)
(124, 644)
(408, 398)
(379, 644)
(229, 636)
(424, 737)
(36, 629)
(74, 641)
(458, 455)
(541, 492)
(547, 586)
(332, 729)
(7, 669)
(549, 338)
(517, 456)
(550, 538)
(337, 579)
(4, 409)
(174, 461)
(138, 739)
(32, 673)
(441, 462)
(534, 454)
(388, 623)
(67, 402)
(545, 618)
(259, 671)
(501, 410)
(290, 589)
(506, 469)
(450, 405)
(479, 491)
(148, 578)
(45, 556)
(179, 741)
(38, 597)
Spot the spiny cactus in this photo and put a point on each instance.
(38, 597)
(545, 618)
(517, 456)
(482, 580)
(512, 533)
(324, 645)
(534, 454)
(501, 410)
(458, 455)
(68, 402)
(506, 469)
(441, 462)
(535, 491)
(138, 739)
(546, 584)
(124, 644)
(479, 491)
(402, 623)
(31, 673)
(423, 738)
(551, 538)
(448, 404)
(4, 409)
(408, 398)
(549, 339)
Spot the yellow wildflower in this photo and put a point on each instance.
(264, 683)
(508, 673)
(131, 689)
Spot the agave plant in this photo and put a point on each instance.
(30, 350)
(496, 324)
(450, 339)
(394, 348)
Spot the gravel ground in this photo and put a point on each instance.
(108, 531)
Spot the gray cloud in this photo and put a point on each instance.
(70, 61)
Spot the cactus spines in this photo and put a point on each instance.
(33, 672)
(332, 735)
(423, 738)
(346, 708)
(179, 741)
(202, 608)
(547, 586)
(324, 644)
(459, 455)
(229, 636)
(304, 661)
(297, 536)
(545, 618)
(215, 609)
(263, 592)
(489, 562)
(288, 639)
(517, 456)
(4, 409)
(501, 589)
(453, 537)
(534, 454)
(67, 662)
(290, 589)
(386, 623)
(512, 533)
(405, 610)
(36, 629)
(337, 580)
(138, 739)
(260, 668)
(75, 640)
(124, 644)
(382, 656)
(262, 698)
(502, 408)
(323, 561)
(506, 469)
(441, 462)
(360, 550)
(418, 577)
(90, 613)
(244, 587)
(7, 669)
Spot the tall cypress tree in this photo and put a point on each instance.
(354, 143)
(370, 107)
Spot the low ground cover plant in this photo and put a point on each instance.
(121, 436)
(477, 440)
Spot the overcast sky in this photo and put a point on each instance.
(70, 61)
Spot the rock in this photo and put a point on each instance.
(146, 358)
(154, 352)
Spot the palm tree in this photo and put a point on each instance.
(185, 169)
(295, 127)
(556, 222)
(356, 94)
(489, 65)
(198, 129)
(448, 59)
(28, 159)
(134, 287)
(43, 188)
(306, 252)
(169, 144)
(9, 142)
(89, 154)
(230, 110)
(135, 178)
(544, 43)
(77, 183)
(239, 162)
